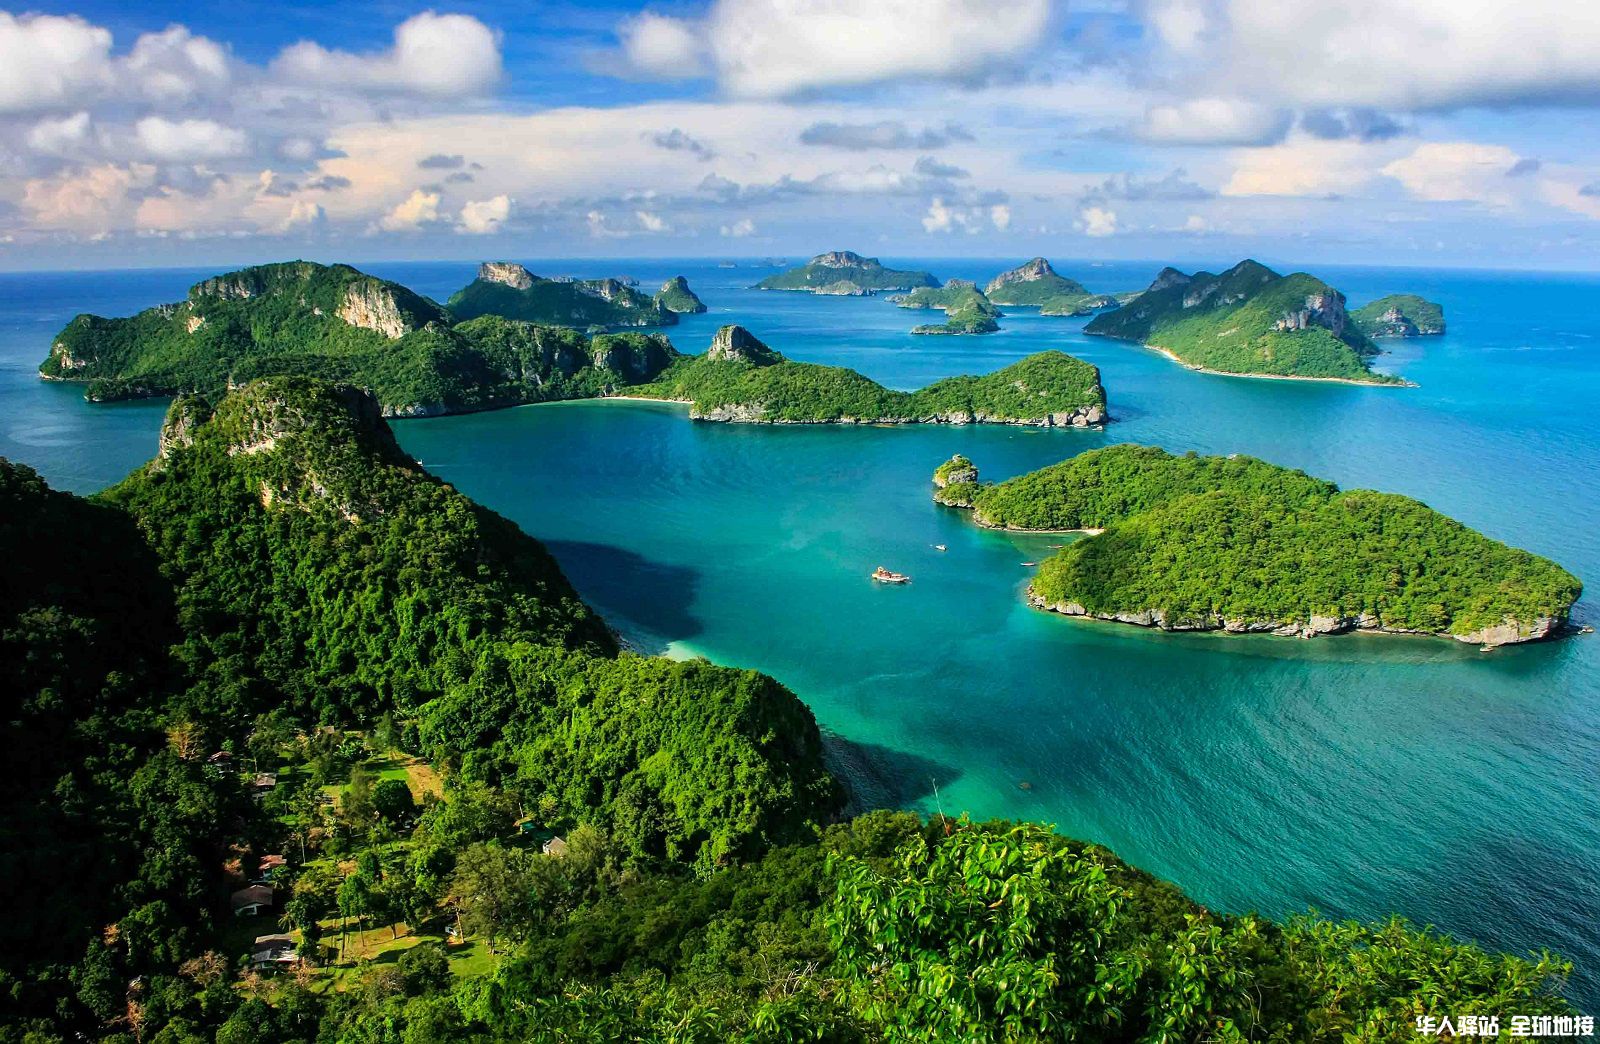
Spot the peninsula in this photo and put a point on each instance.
(843, 273)
(1249, 321)
(741, 379)
(1191, 543)
(334, 322)
(510, 291)
(1400, 315)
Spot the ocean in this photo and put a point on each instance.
(1358, 776)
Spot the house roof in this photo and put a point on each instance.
(556, 846)
(254, 895)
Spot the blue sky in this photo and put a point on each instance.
(1426, 132)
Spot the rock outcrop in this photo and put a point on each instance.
(371, 305)
(506, 273)
(736, 344)
(676, 296)
(1030, 272)
(1324, 309)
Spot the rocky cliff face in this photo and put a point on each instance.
(253, 282)
(1168, 276)
(842, 259)
(1031, 272)
(506, 273)
(843, 288)
(371, 305)
(1324, 309)
(736, 344)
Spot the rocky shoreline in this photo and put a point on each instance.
(1314, 627)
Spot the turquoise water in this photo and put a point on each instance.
(1358, 775)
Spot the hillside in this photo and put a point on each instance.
(741, 379)
(1032, 283)
(1247, 321)
(967, 310)
(1237, 544)
(1400, 315)
(335, 323)
(841, 272)
(510, 291)
(676, 297)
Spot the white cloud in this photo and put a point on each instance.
(418, 209)
(1406, 54)
(939, 218)
(60, 137)
(176, 65)
(304, 214)
(661, 47)
(47, 61)
(442, 55)
(651, 222)
(92, 201)
(484, 216)
(1000, 214)
(1215, 121)
(1456, 171)
(180, 140)
(1305, 167)
(773, 48)
(1196, 224)
(1097, 222)
(739, 229)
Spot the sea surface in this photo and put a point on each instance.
(1358, 775)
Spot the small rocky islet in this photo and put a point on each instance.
(1235, 544)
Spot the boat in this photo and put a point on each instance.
(1030, 563)
(939, 547)
(1055, 547)
(889, 576)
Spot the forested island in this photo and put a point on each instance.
(334, 322)
(509, 290)
(1037, 284)
(741, 379)
(304, 746)
(844, 273)
(1248, 321)
(1193, 543)
(1400, 315)
(967, 310)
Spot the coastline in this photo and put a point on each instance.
(1197, 368)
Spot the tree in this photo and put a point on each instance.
(392, 801)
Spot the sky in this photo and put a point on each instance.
(1406, 132)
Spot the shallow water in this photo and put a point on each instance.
(1359, 775)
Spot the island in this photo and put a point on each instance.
(337, 323)
(304, 744)
(842, 272)
(1400, 315)
(1248, 322)
(1235, 544)
(966, 309)
(510, 291)
(741, 379)
(1036, 284)
(676, 297)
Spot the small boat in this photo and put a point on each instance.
(939, 547)
(1055, 547)
(889, 576)
(1030, 563)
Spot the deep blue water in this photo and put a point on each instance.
(1358, 775)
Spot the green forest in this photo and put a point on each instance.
(282, 656)
(843, 266)
(1210, 542)
(761, 385)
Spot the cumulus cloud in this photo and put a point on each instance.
(774, 48)
(440, 55)
(92, 201)
(484, 216)
(1303, 167)
(60, 137)
(661, 47)
(1215, 121)
(175, 65)
(651, 222)
(884, 134)
(187, 140)
(739, 229)
(304, 214)
(418, 209)
(1097, 222)
(1456, 171)
(46, 61)
(1000, 214)
(1396, 54)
